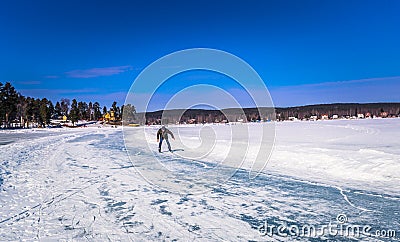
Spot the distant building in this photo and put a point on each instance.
(335, 116)
(324, 116)
(360, 115)
(192, 121)
(109, 116)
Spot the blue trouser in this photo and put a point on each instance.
(166, 140)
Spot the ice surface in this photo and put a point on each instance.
(79, 184)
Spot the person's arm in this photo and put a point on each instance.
(172, 135)
(158, 135)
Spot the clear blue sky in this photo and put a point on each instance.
(305, 51)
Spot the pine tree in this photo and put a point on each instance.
(114, 109)
(74, 112)
(90, 112)
(57, 110)
(96, 110)
(64, 106)
(114, 106)
(22, 106)
(128, 113)
(51, 109)
(45, 112)
(82, 110)
(9, 99)
(35, 110)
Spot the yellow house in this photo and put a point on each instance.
(109, 116)
(106, 117)
(112, 118)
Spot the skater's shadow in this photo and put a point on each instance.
(165, 151)
(177, 150)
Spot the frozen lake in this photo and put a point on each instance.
(79, 184)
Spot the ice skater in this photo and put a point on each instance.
(162, 134)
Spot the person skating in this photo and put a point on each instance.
(162, 134)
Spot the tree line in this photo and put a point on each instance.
(17, 110)
(341, 110)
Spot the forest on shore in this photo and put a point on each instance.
(17, 110)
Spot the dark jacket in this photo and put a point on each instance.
(164, 134)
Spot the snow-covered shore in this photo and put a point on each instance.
(79, 184)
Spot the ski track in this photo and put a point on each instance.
(80, 185)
